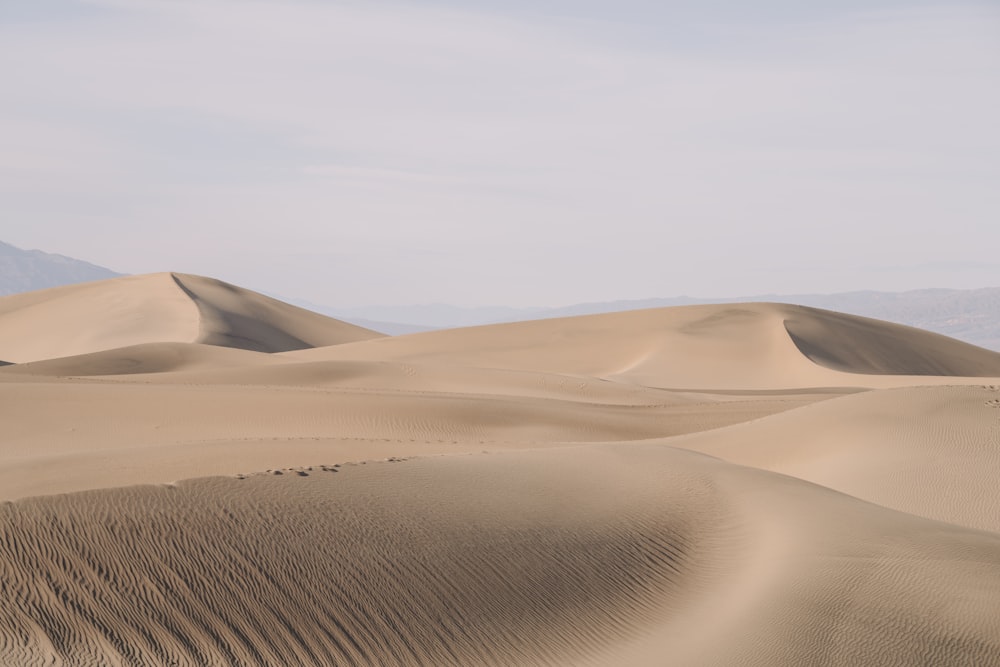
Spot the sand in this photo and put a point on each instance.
(158, 308)
(195, 474)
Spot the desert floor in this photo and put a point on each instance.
(195, 474)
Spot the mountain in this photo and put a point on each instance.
(28, 270)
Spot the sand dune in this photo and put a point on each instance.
(143, 359)
(932, 451)
(744, 346)
(861, 345)
(77, 434)
(234, 317)
(155, 308)
(88, 317)
(751, 484)
(601, 555)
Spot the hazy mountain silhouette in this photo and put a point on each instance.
(28, 270)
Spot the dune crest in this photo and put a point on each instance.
(930, 451)
(235, 317)
(861, 345)
(595, 555)
(743, 484)
(158, 308)
(144, 358)
(749, 346)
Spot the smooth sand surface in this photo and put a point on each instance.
(742, 346)
(755, 484)
(932, 451)
(157, 308)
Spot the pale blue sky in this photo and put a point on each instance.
(519, 153)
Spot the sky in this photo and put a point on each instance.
(520, 153)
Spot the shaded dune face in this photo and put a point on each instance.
(746, 346)
(533, 505)
(237, 318)
(860, 345)
(159, 308)
(328, 569)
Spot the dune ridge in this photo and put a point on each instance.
(158, 308)
(728, 346)
(931, 451)
(234, 317)
(855, 344)
(75, 434)
(142, 359)
(625, 545)
(745, 484)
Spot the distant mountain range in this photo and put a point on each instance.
(969, 315)
(29, 270)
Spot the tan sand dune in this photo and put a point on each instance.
(931, 451)
(744, 346)
(161, 307)
(586, 556)
(855, 344)
(144, 358)
(235, 317)
(197, 364)
(75, 434)
(78, 319)
(590, 534)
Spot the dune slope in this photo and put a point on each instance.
(862, 345)
(589, 556)
(77, 319)
(64, 435)
(931, 451)
(744, 346)
(157, 308)
(235, 317)
(657, 487)
(143, 359)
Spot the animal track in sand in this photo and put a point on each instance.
(995, 403)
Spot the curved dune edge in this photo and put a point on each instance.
(100, 315)
(231, 316)
(748, 346)
(932, 451)
(591, 556)
(158, 308)
(68, 435)
(143, 358)
(852, 344)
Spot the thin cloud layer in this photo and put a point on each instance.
(363, 153)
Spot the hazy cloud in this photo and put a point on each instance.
(485, 153)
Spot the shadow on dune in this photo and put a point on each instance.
(853, 344)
